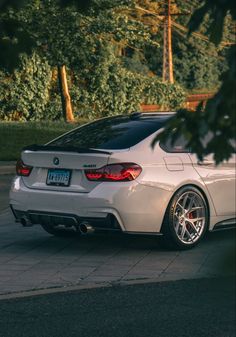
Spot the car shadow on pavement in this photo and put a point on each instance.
(32, 259)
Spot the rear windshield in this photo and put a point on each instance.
(119, 132)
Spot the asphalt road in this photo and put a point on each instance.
(196, 308)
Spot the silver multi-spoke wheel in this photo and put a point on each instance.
(189, 217)
(186, 218)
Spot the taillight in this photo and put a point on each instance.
(22, 169)
(114, 172)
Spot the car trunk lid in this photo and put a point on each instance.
(62, 169)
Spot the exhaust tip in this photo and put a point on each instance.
(86, 228)
(25, 222)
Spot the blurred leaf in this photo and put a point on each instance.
(217, 11)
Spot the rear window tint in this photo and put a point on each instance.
(119, 132)
(179, 145)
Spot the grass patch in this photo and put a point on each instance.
(15, 135)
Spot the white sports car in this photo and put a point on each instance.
(105, 176)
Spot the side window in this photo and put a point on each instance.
(179, 146)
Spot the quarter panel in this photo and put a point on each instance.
(220, 181)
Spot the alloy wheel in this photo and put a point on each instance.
(186, 219)
(189, 217)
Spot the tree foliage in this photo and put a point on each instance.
(198, 62)
(110, 89)
(90, 46)
(101, 79)
(27, 93)
(218, 117)
(13, 39)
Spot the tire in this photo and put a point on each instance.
(186, 219)
(60, 232)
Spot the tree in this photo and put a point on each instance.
(25, 93)
(218, 117)
(16, 38)
(88, 45)
(13, 39)
(198, 63)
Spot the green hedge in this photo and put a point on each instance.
(31, 93)
(15, 135)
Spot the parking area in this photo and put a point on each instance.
(31, 259)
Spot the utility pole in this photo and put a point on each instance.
(167, 70)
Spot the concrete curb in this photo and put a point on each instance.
(93, 285)
(7, 168)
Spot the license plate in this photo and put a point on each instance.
(58, 177)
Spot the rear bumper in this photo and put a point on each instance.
(135, 207)
(32, 217)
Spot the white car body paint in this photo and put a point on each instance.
(139, 206)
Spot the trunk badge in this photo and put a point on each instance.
(55, 161)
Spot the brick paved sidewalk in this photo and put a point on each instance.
(5, 182)
(7, 171)
(32, 259)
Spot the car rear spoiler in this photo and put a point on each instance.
(49, 148)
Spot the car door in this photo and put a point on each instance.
(220, 180)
